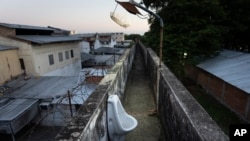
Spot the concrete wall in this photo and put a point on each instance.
(66, 67)
(7, 31)
(24, 52)
(182, 117)
(36, 59)
(10, 66)
(90, 122)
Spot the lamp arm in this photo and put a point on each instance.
(150, 12)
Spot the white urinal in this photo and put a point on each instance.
(119, 122)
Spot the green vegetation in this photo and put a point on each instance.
(195, 30)
(198, 29)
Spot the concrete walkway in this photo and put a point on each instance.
(139, 101)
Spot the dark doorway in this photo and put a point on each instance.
(22, 64)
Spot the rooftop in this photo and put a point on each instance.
(18, 26)
(7, 48)
(230, 66)
(41, 87)
(108, 50)
(11, 108)
(40, 39)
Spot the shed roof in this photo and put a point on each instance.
(45, 87)
(107, 50)
(11, 108)
(86, 56)
(18, 26)
(40, 39)
(232, 67)
(2, 47)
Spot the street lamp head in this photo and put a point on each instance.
(130, 7)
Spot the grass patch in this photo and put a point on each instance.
(218, 112)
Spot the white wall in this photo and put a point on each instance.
(66, 67)
(84, 47)
(24, 52)
(97, 43)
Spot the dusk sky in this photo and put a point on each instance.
(80, 15)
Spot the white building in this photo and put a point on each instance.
(43, 54)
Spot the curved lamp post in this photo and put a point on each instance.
(131, 8)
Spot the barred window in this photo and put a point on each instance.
(51, 59)
(67, 54)
(60, 56)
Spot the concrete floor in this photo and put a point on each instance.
(139, 101)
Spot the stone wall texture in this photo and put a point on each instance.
(182, 117)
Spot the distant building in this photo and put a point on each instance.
(97, 40)
(10, 66)
(118, 36)
(43, 51)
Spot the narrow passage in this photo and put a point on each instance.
(139, 101)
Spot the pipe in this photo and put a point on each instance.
(70, 105)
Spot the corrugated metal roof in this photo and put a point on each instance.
(18, 26)
(11, 108)
(232, 67)
(43, 88)
(39, 39)
(6, 48)
(86, 56)
(103, 58)
(107, 50)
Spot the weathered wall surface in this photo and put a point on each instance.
(181, 115)
(7, 31)
(9, 65)
(24, 52)
(90, 122)
(66, 67)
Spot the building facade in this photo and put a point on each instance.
(43, 51)
(9, 63)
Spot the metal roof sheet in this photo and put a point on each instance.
(230, 66)
(11, 108)
(86, 56)
(43, 87)
(2, 47)
(108, 50)
(39, 39)
(18, 26)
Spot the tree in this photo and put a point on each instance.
(237, 23)
(192, 31)
(132, 36)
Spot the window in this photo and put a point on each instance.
(72, 53)
(67, 54)
(51, 59)
(60, 56)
